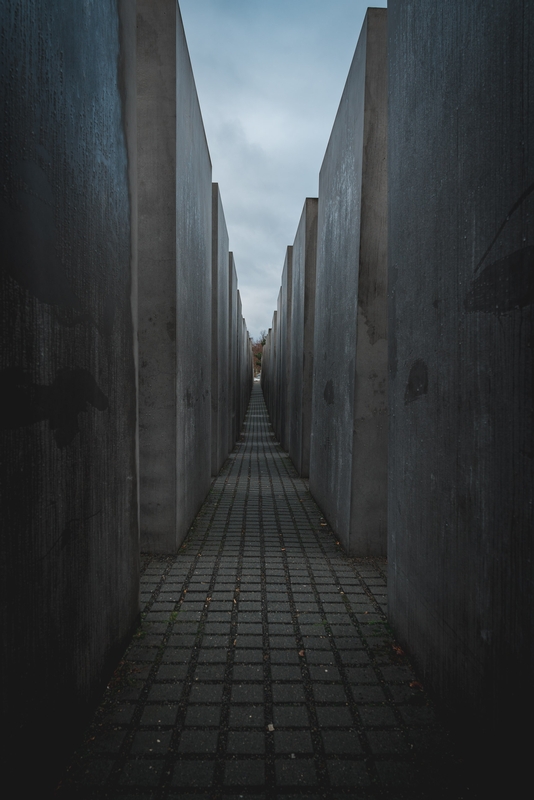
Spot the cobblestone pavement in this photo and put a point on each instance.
(264, 666)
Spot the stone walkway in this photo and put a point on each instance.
(264, 666)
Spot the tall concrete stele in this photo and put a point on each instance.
(348, 457)
(69, 546)
(175, 265)
(302, 327)
(461, 375)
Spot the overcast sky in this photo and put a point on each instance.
(269, 76)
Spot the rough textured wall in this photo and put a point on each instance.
(348, 459)
(286, 346)
(239, 367)
(219, 335)
(276, 416)
(193, 307)
(301, 335)
(156, 144)
(461, 235)
(233, 377)
(175, 198)
(69, 545)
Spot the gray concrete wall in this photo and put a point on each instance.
(219, 335)
(156, 120)
(69, 547)
(286, 346)
(461, 366)
(239, 368)
(348, 459)
(277, 378)
(266, 369)
(175, 199)
(232, 380)
(193, 317)
(301, 336)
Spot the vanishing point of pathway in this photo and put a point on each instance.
(264, 666)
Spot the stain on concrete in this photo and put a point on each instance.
(329, 393)
(417, 382)
(504, 285)
(171, 330)
(24, 402)
(519, 202)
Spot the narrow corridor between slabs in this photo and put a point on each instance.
(264, 665)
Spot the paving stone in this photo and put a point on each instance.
(368, 694)
(210, 672)
(290, 716)
(247, 693)
(329, 693)
(293, 742)
(293, 772)
(244, 655)
(247, 717)
(198, 741)
(341, 742)
(141, 773)
(151, 742)
(247, 673)
(244, 773)
(288, 693)
(159, 715)
(206, 693)
(250, 742)
(193, 773)
(169, 692)
(324, 673)
(334, 716)
(203, 716)
(285, 673)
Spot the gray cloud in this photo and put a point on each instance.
(269, 76)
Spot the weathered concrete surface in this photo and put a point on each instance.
(348, 459)
(239, 367)
(156, 120)
(301, 336)
(232, 380)
(268, 369)
(461, 376)
(265, 378)
(193, 318)
(175, 198)
(286, 347)
(69, 547)
(277, 377)
(220, 331)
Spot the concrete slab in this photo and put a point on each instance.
(220, 332)
(193, 308)
(233, 373)
(69, 558)
(156, 123)
(278, 361)
(175, 198)
(348, 459)
(301, 336)
(461, 366)
(286, 347)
